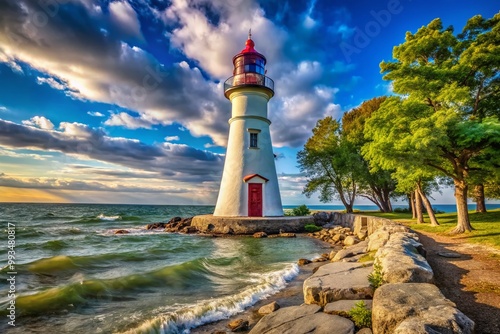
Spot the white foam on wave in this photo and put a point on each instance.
(206, 311)
(102, 216)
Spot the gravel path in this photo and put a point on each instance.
(469, 275)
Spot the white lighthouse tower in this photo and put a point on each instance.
(249, 186)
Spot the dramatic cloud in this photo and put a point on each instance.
(65, 184)
(176, 161)
(41, 122)
(97, 65)
(125, 120)
(125, 19)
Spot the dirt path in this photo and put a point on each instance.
(472, 281)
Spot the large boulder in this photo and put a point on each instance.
(416, 308)
(359, 248)
(322, 218)
(401, 262)
(337, 281)
(377, 239)
(302, 319)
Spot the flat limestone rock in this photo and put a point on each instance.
(416, 308)
(302, 319)
(342, 307)
(338, 281)
(359, 248)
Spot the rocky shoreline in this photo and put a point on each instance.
(376, 267)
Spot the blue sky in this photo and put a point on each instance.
(122, 101)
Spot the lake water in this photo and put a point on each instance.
(74, 275)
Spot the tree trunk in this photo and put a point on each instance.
(348, 208)
(428, 205)
(463, 222)
(479, 198)
(411, 202)
(418, 208)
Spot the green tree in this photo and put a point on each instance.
(331, 164)
(375, 185)
(449, 114)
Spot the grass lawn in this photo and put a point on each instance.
(486, 225)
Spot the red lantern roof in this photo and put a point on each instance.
(249, 45)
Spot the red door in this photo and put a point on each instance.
(255, 199)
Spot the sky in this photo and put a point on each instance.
(122, 101)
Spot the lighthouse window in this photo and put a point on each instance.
(253, 139)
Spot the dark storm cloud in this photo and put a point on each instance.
(183, 162)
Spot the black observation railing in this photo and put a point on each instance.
(248, 79)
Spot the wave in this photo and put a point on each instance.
(191, 316)
(29, 232)
(67, 263)
(49, 245)
(112, 218)
(104, 218)
(181, 276)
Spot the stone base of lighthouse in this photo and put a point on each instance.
(249, 225)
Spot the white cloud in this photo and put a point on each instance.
(11, 62)
(172, 138)
(95, 113)
(41, 122)
(51, 82)
(125, 18)
(129, 122)
(214, 46)
(2, 108)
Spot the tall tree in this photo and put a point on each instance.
(377, 186)
(449, 114)
(330, 164)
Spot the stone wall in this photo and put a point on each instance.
(249, 225)
(407, 302)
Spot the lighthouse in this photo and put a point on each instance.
(249, 186)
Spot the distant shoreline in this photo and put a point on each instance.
(446, 208)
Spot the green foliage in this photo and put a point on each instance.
(301, 210)
(361, 315)
(311, 228)
(376, 278)
(330, 163)
(402, 210)
(375, 185)
(448, 121)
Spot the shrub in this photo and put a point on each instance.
(302, 210)
(312, 228)
(361, 315)
(375, 278)
(402, 210)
